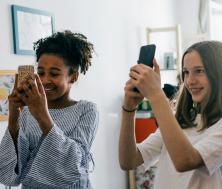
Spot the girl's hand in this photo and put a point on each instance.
(146, 79)
(15, 102)
(34, 97)
(132, 98)
(15, 107)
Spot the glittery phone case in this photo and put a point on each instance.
(24, 72)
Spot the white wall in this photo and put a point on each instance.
(117, 28)
(187, 16)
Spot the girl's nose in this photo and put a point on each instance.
(191, 78)
(45, 79)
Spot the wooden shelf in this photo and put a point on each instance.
(163, 69)
(144, 114)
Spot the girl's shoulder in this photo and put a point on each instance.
(80, 107)
(215, 128)
(84, 105)
(218, 124)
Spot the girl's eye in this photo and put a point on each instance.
(54, 74)
(198, 71)
(40, 73)
(185, 72)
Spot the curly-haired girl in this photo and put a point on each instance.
(47, 142)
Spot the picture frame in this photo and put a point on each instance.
(30, 25)
(7, 80)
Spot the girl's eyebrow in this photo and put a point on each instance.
(196, 67)
(53, 68)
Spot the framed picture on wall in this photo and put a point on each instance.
(7, 80)
(29, 25)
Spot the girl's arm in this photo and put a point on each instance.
(8, 161)
(184, 156)
(15, 108)
(129, 156)
(14, 155)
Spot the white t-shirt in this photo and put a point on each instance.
(209, 145)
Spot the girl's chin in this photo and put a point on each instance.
(50, 93)
(49, 96)
(196, 100)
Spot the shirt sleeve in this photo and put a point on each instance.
(8, 160)
(61, 160)
(150, 148)
(12, 164)
(210, 147)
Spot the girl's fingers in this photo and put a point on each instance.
(39, 84)
(32, 86)
(16, 82)
(137, 68)
(130, 89)
(134, 94)
(134, 75)
(28, 89)
(156, 66)
(23, 97)
(19, 104)
(14, 96)
(129, 84)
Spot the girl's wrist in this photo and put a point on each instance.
(46, 123)
(13, 127)
(127, 104)
(157, 98)
(46, 126)
(129, 110)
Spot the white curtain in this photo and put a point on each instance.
(203, 17)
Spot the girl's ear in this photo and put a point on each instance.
(74, 77)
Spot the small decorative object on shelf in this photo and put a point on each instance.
(169, 60)
(144, 110)
(144, 106)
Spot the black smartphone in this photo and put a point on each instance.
(147, 53)
(146, 56)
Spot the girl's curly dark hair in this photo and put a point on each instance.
(72, 47)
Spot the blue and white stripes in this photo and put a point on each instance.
(59, 160)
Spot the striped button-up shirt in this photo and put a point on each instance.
(59, 160)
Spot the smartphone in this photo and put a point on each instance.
(24, 72)
(146, 55)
